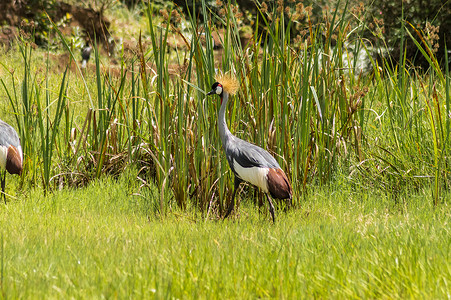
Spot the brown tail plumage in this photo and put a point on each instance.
(13, 161)
(278, 185)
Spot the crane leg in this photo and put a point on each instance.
(235, 188)
(3, 182)
(271, 208)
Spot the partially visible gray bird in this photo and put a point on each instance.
(11, 156)
(248, 162)
(85, 55)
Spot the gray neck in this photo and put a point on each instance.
(224, 132)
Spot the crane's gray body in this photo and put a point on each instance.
(247, 155)
(8, 136)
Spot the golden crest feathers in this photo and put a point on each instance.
(229, 84)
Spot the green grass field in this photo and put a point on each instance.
(125, 181)
(97, 242)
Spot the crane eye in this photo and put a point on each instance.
(218, 90)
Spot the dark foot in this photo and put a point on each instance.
(271, 209)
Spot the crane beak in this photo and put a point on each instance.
(212, 92)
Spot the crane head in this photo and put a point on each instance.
(216, 88)
(224, 82)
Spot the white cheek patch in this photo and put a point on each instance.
(256, 176)
(218, 90)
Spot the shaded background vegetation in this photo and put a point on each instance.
(382, 18)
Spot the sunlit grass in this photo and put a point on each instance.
(99, 242)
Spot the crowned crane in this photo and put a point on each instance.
(11, 156)
(85, 55)
(248, 162)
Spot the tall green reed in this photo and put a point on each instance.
(37, 129)
(412, 144)
(438, 111)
